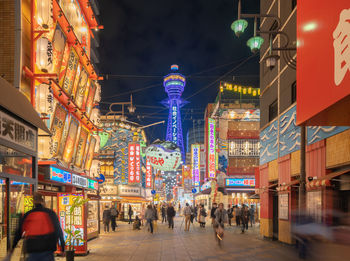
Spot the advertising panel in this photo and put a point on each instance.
(57, 129)
(211, 148)
(71, 137)
(58, 46)
(82, 84)
(81, 147)
(90, 99)
(76, 80)
(60, 175)
(93, 184)
(131, 163)
(74, 221)
(64, 63)
(195, 166)
(323, 68)
(69, 77)
(240, 182)
(148, 175)
(137, 163)
(90, 154)
(283, 208)
(79, 181)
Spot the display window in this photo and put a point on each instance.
(92, 218)
(15, 163)
(136, 208)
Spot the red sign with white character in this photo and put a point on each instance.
(132, 163)
(137, 163)
(323, 67)
(148, 175)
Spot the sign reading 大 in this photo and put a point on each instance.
(60, 175)
(211, 148)
(240, 182)
(79, 181)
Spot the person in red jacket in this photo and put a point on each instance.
(41, 230)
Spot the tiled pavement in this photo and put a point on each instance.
(197, 244)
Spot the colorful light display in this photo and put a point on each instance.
(174, 84)
(211, 148)
(165, 156)
(148, 175)
(195, 164)
(240, 182)
(131, 163)
(137, 163)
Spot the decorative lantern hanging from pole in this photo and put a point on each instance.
(44, 13)
(44, 99)
(44, 54)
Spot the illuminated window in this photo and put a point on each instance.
(244, 148)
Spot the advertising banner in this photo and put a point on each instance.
(74, 221)
(211, 148)
(76, 80)
(58, 46)
(90, 99)
(137, 164)
(57, 129)
(69, 77)
(148, 175)
(132, 163)
(82, 84)
(240, 182)
(323, 67)
(79, 181)
(64, 63)
(69, 145)
(195, 166)
(81, 147)
(60, 175)
(90, 154)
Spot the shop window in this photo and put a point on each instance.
(244, 148)
(273, 110)
(294, 92)
(15, 162)
(314, 205)
(3, 225)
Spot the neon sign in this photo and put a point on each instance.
(60, 175)
(131, 163)
(174, 124)
(195, 156)
(148, 175)
(237, 182)
(137, 163)
(211, 148)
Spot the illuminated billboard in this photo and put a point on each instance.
(240, 182)
(195, 166)
(211, 148)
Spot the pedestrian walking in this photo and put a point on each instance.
(244, 217)
(252, 215)
(130, 213)
(143, 211)
(238, 216)
(202, 214)
(114, 215)
(187, 213)
(221, 218)
(149, 216)
(230, 214)
(212, 212)
(155, 219)
(42, 231)
(196, 212)
(163, 213)
(106, 217)
(170, 215)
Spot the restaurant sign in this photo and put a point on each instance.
(60, 175)
(240, 182)
(79, 181)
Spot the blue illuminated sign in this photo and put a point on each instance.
(60, 175)
(236, 182)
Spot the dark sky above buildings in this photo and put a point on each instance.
(141, 39)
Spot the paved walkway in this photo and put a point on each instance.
(197, 244)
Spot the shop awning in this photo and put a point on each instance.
(15, 102)
(134, 199)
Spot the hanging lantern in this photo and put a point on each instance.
(221, 89)
(254, 93)
(239, 89)
(239, 26)
(95, 116)
(244, 90)
(104, 136)
(255, 43)
(258, 91)
(44, 54)
(250, 90)
(44, 99)
(44, 16)
(235, 88)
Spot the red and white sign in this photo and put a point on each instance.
(137, 163)
(323, 67)
(132, 160)
(148, 175)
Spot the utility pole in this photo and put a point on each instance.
(302, 179)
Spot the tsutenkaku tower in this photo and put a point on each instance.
(174, 84)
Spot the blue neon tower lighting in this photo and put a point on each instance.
(174, 84)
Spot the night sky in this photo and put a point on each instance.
(141, 39)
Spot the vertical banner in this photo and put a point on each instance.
(174, 124)
(90, 99)
(58, 46)
(76, 80)
(211, 148)
(57, 129)
(81, 147)
(148, 175)
(64, 135)
(70, 140)
(69, 77)
(137, 163)
(82, 84)
(195, 156)
(131, 163)
(90, 154)
(64, 63)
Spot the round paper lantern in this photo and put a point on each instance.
(44, 16)
(44, 99)
(164, 155)
(44, 54)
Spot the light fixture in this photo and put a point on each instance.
(254, 43)
(44, 54)
(271, 60)
(44, 10)
(239, 26)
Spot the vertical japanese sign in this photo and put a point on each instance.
(58, 46)
(90, 154)
(71, 137)
(57, 129)
(69, 77)
(137, 163)
(90, 100)
(195, 167)
(81, 147)
(80, 92)
(211, 148)
(76, 221)
(174, 123)
(131, 163)
(148, 175)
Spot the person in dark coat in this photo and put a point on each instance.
(106, 217)
(229, 214)
(171, 214)
(163, 213)
(114, 215)
(130, 213)
(212, 212)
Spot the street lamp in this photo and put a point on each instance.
(239, 26)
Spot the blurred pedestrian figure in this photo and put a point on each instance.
(171, 214)
(196, 212)
(221, 218)
(155, 219)
(137, 224)
(130, 213)
(106, 217)
(187, 213)
(114, 215)
(229, 214)
(201, 216)
(42, 230)
(252, 215)
(238, 216)
(163, 213)
(244, 217)
(149, 216)
(212, 212)
(143, 211)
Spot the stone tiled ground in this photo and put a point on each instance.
(197, 244)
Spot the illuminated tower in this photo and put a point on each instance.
(174, 84)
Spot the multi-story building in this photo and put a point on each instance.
(282, 151)
(47, 56)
